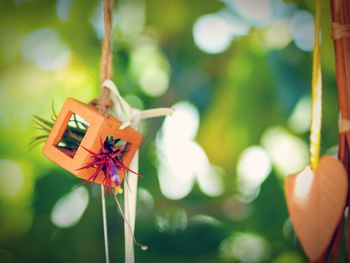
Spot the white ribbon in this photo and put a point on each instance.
(131, 117)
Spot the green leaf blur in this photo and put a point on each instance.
(252, 99)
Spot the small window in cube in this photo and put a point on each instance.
(73, 135)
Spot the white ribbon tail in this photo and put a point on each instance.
(130, 195)
(104, 220)
(131, 117)
(153, 113)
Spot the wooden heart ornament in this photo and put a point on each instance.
(316, 201)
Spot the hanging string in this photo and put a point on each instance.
(106, 66)
(104, 103)
(316, 111)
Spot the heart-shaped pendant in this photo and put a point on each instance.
(316, 201)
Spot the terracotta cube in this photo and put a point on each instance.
(99, 128)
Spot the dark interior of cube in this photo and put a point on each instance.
(73, 135)
(116, 146)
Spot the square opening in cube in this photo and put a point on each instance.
(73, 135)
(116, 146)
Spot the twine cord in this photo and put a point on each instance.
(340, 31)
(106, 67)
(344, 126)
(104, 103)
(316, 110)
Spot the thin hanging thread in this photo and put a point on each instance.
(316, 111)
(142, 246)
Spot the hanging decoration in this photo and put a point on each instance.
(98, 151)
(316, 196)
(89, 142)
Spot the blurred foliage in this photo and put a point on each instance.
(239, 93)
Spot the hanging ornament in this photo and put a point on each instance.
(89, 142)
(316, 196)
(91, 146)
(316, 199)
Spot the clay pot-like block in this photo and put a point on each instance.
(99, 128)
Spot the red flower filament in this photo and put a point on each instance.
(109, 160)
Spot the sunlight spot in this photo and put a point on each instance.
(244, 247)
(254, 165)
(182, 124)
(96, 20)
(63, 8)
(303, 183)
(247, 194)
(45, 48)
(174, 185)
(289, 153)
(277, 35)
(302, 29)
(130, 17)
(69, 209)
(300, 119)
(257, 12)
(171, 220)
(238, 26)
(12, 178)
(212, 34)
(145, 201)
(205, 219)
(182, 161)
(154, 81)
(282, 9)
(211, 180)
(151, 68)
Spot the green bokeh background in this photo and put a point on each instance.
(239, 94)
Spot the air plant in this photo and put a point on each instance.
(72, 136)
(108, 160)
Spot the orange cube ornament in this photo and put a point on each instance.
(91, 146)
